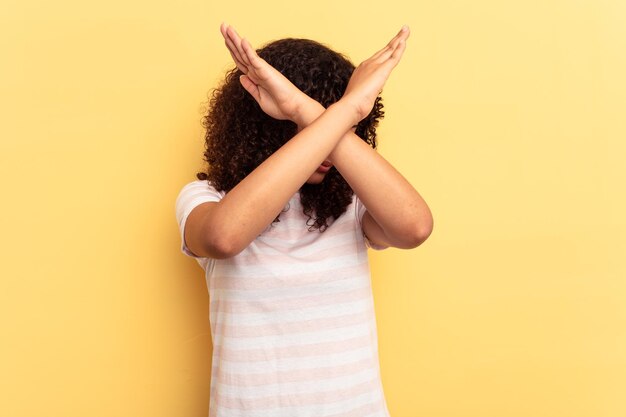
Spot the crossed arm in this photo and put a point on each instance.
(396, 214)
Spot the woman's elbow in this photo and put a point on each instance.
(222, 247)
(417, 233)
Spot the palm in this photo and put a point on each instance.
(269, 105)
(370, 76)
(276, 95)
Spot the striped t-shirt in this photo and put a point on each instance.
(292, 318)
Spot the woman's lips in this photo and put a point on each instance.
(325, 167)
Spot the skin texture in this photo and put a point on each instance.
(224, 228)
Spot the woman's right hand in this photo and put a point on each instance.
(368, 78)
(277, 96)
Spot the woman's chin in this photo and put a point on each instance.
(316, 178)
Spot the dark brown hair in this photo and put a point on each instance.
(240, 136)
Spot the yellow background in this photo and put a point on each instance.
(508, 117)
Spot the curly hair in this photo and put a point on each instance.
(240, 136)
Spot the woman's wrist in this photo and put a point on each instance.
(356, 108)
(310, 110)
(307, 112)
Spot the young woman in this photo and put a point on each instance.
(293, 195)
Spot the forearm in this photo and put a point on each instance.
(247, 209)
(390, 199)
(379, 186)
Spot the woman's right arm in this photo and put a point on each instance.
(223, 229)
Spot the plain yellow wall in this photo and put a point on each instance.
(508, 117)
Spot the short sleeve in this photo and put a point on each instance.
(360, 211)
(192, 195)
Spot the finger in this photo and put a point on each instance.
(387, 47)
(232, 49)
(250, 87)
(253, 58)
(240, 64)
(231, 44)
(399, 51)
(236, 39)
(386, 67)
(223, 29)
(379, 53)
(388, 52)
(394, 59)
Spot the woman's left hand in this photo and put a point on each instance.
(276, 95)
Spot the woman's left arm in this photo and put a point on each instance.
(396, 214)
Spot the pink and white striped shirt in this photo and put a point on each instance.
(292, 318)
